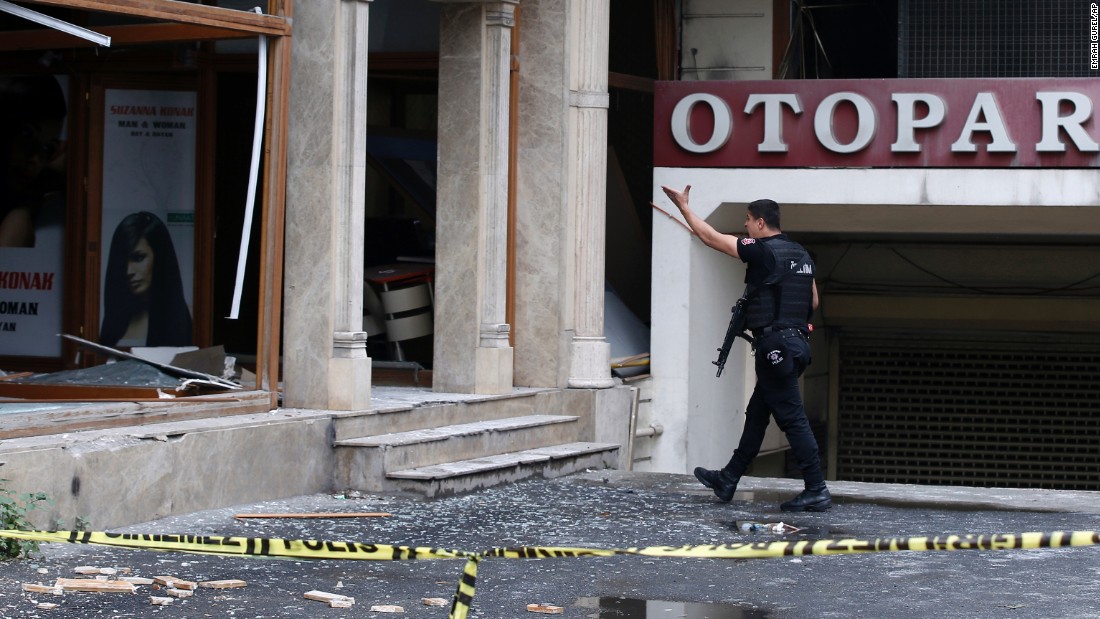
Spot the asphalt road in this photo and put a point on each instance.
(611, 509)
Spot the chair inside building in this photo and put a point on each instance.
(398, 290)
(399, 303)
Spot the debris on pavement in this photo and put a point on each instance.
(95, 585)
(547, 609)
(38, 588)
(386, 608)
(433, 601)
(321, 515)
(666, 510)
(88, 570)
(747, 526)
(335, 600)
(223, 584)
(175, 583)
(102, 580)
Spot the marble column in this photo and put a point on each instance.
(325, 355)
(472, 198)
(586, 133)
(499, 20)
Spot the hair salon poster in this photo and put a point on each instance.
(33, 112)
(149, 141)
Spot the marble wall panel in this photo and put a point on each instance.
(310, 251)
(540, 194)
(458, 197)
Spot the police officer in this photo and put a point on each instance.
(782, 295)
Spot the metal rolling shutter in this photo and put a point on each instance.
(936, 409)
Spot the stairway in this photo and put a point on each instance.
(436, 448)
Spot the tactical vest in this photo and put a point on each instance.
(785, 298)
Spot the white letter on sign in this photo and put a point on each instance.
(986, 105)
(681, 123)
(823, 122)
(907, 124)
(1082, 109)
(773, 119)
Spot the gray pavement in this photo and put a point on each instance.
(615, 509)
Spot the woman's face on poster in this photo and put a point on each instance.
(32, 148)
(139, 268)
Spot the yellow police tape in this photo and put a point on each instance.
(464, 594)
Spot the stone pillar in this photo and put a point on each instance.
(472, 198)
(561, 176)
(586, 133)
(325, 356)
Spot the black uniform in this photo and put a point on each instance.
(778, 315)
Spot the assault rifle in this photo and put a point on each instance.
(734, 331)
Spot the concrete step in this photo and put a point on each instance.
(394, 415)
(476, 473)
(359, 460)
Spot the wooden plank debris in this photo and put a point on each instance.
(335, 600)
(89, 570)
(160, 601)
(223, 584)
(179, 593)
(546, 609)
(46, 606)
(433, 601)
(37, 588)
(175, 583)
(137, 580)
(386, 608)
(318, 515)
(95, 586)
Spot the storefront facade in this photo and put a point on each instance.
(144, 149)
(517, 283)
(312, 189)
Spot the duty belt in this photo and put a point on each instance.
(772, 329)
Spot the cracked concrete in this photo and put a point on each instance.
(613, 509)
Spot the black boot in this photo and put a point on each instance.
(813, 499)
(721, 482)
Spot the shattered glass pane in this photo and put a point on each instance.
(127, 372)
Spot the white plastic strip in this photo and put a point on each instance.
(56, 24)
(253, 174)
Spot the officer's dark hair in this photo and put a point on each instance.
(767, 210)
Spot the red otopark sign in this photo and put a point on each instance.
(981, 123)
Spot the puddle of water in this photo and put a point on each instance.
(633, 608)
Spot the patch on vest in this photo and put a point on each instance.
(775, 357)
(805, 269)
(747, 241)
